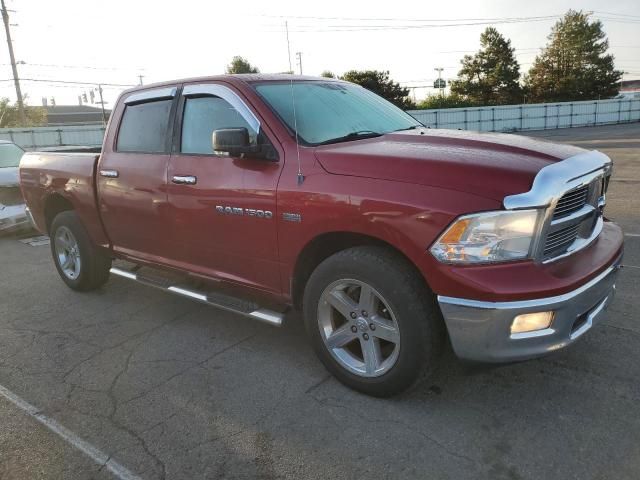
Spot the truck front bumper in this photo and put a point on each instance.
(481, 331)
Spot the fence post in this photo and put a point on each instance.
(493, 119)
(521, 117)
(33, 138)
(465, 119)
(11, 136)
(59, 136)
(619, 110)
(571, 116)
(595, 114)
(545, 116)
(436, 118)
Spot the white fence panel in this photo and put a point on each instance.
(538, 116)
(504, 118)
(42, 137)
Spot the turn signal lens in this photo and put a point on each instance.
(530, 322)
(455, 233)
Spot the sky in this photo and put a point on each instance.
(113, 42)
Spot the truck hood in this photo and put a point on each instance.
(491, 165)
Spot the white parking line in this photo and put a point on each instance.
(92, 452)
(632, 234)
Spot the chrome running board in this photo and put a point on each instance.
(218, 300)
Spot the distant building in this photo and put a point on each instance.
(630, 86)
(629, 89)
(74, 115)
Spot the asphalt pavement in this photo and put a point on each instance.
(131, 380)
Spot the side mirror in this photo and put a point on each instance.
(234, 141)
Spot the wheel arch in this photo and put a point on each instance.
(324, 245)
(53, 205)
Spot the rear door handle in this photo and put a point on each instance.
(109, 173)
(184, 179)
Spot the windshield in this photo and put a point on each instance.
(10, 155)
(331, 111)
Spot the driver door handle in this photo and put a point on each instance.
(184, 179)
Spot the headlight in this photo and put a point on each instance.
(488, 237)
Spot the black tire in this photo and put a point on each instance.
(418, 319)
(94, 261)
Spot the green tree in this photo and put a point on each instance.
(453, 100)
(9, 117)
(379, 82)
(491, 76)
(328, 74)
(574, 65)
(241, 65)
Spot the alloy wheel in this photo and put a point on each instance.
(359, 328)
(67, 253)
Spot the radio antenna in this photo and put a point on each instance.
(286, 27)
(293, 104)
(295, 128)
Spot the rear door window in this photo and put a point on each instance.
(145, 127)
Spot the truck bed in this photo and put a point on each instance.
(49, 177)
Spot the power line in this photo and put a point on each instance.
(420, 24)
(620, 20)
(71, 82)
(618, 14)
(354, 28)
(88, 67)
(458, 22)
(396, 19)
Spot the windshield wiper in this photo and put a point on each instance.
(352, 136)
(412, 127)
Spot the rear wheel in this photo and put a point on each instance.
(372, 321)
(81, 265)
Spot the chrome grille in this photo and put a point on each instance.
(560, 239)
(574, 218)
(571, 202)
(572, 193)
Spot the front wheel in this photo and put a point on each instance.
(372, 320)
(81, 265)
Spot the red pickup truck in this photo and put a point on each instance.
(257, 193)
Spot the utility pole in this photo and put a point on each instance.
(140, 77)
(439, 70)
(16, 81)
(299, 56)
(104, 116)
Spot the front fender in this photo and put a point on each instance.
(408, 217)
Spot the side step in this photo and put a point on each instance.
(215, 299)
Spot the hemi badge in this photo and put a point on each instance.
(292, 217)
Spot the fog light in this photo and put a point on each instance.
(529, 322)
